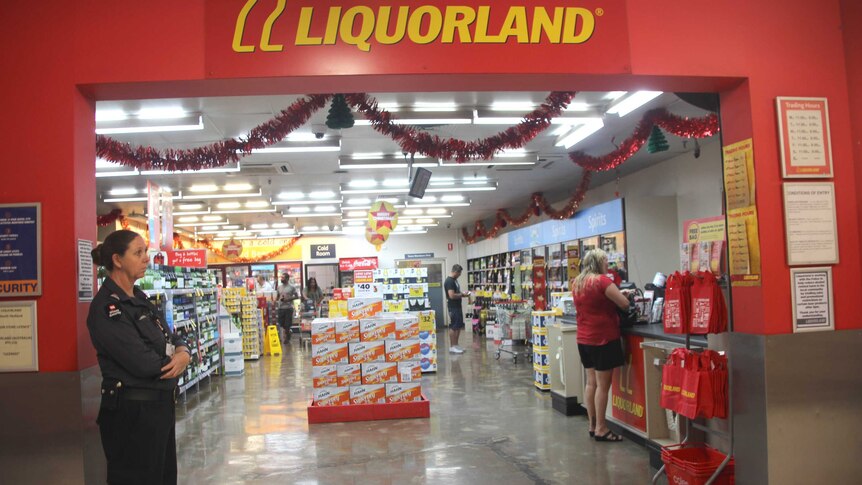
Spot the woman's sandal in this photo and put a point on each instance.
(609, 437)
(592, 434)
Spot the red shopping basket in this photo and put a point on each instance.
(694, 463)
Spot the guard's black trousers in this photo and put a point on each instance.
(139, 441)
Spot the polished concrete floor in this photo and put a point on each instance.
(488, 425)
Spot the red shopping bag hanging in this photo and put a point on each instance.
(671, 380)
(719, 321)
(676, 304)
(703, 303)
(718, 374)
(696, 389)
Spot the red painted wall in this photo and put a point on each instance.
(851, 25)
(751, 51)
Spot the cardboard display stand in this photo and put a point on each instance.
(369, 412)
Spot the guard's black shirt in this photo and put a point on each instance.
(130, 343)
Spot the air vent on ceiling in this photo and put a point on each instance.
(513, 169)
(282, 168)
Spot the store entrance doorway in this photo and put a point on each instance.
(435, 284)
(325, 274)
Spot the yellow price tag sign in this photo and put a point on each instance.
(426, 322)
(417, 291)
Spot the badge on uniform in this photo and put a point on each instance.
(113, 311)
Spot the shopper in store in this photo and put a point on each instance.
(596, 300)
(453, 302)
(287, 294)
(263, 286)
(141, 361)
(313, 293)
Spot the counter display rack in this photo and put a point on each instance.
(188, 301)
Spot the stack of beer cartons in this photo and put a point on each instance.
(234, 363)
(427, 340)
(541, 368)
(367, 361)
(252, 322)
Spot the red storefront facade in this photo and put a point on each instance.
(61, 57)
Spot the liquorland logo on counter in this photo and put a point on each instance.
(364, 26)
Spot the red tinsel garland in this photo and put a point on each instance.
(218, 252)
(683, 127)
(217, 154)
(538, 205)
(413, 140)
(111, 217)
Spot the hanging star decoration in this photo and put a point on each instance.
(382, 215)
(540, 274)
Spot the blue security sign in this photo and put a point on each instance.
(601, 219)
(20, 250)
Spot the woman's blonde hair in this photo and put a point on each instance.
(592, 264)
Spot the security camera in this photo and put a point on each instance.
(448, 225)
(319, 130)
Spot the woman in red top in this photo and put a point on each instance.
(596, 300)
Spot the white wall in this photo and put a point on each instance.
(435, 241)
(658, 199)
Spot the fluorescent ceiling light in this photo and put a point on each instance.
(396, 183)
(513, 106)
(463, 189)
(412, 212)
(307, 202)
(233, 227)
(211, 218)
(222, 196)
(447, 181)
(124, 173)
(191, 213)
(422, 121)
(356, 213)
(165, 113)
(291, 195)
(391, 200)
(244, 211)
(431, 198)
(580, 133)
(325, 208)
(124, 191)
(257, 204)
(299, 210)
(189, 123)
(280, 225)
(353, 230)
(110, 115)
(633, 102)
(238, 187)
(612, 95)
(322, 194)
(425, 221)
(526, 160)
(362, 183)
(328, 214)
(387, 166)
(512, 153)
(259, 226)
(435, 106)
(304, 136)
(326, 145)
(310, 228)
(490, 117)
(203, 188)
(450, 204)
(125, 199)
(210, 228)
(405, 220)
(228, 205)
(438, 212)
(397, 232)
(237, 168)
(356, 223)
(562, 129)
(367, 155)
(189, 219)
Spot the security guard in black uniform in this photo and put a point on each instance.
(140, 362)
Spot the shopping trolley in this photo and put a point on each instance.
(513, 333)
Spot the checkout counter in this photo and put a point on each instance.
(636, 389)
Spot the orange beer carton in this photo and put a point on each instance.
(404, 392)
(379, 372)
(349, 375)
(362, 352)
(324, 376)
(332, 396)
(368, 394)
(406, 328)
(409, 371)
(322, 331)
(359, 308)
(373, 329)
(328, 354)
(398, 350)
(346, 331)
